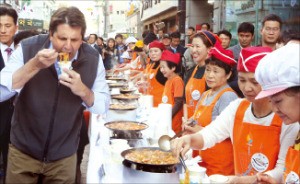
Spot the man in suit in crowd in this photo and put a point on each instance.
(8, 25)
(175, 47)
(92, 41)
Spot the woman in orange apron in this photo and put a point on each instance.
(154, 78)
(217, 73)
(195, 84)
(137, 62)
(259, 138)
(173, 91)
(282, 86)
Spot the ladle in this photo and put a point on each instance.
(164, 142)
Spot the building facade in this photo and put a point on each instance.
(229, 14)
(14, 3)
(133, 19)
(177, 15)
(155, 11)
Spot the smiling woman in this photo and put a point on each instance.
(202, 42)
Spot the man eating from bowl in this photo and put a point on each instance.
(48, 114)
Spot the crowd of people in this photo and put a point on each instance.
(244, 99)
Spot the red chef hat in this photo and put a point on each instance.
(250, 57)
(157, 44)
(170, 56)
(223, 55)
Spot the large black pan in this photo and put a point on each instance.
(115, 78)
(126, 97)
(156, 168)
(126, 134)
(113, 122)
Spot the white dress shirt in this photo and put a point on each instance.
(99, 88)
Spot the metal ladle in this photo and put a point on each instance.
(164, 143)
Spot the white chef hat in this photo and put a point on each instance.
(126, 55)
(279, 70)
(130, 39)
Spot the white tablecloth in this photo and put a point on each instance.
(101, 157)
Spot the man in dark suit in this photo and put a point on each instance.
(92, 41)
(175, 47)
(8, 17)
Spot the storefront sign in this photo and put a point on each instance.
(149, 3)
(28, 24)
(247, 5)
(152, 8)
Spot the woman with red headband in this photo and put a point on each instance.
(156, 80)
(195, 85)
(218, 72)
(260, 139)
(173, 91)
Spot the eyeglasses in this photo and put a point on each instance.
(274, 29)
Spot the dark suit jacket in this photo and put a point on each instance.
(1, 61)
(98, 49)
(6, 108)
(180, 49)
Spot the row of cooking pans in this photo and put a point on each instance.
(131, 130)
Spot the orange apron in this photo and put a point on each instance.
(193, 90)
(139, 66)
(255, 147)
(168, 97)
(292, 166)
(219, 158)
(155, 88)
(134, 56)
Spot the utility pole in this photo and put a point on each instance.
(105, 13)
(181, 13)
